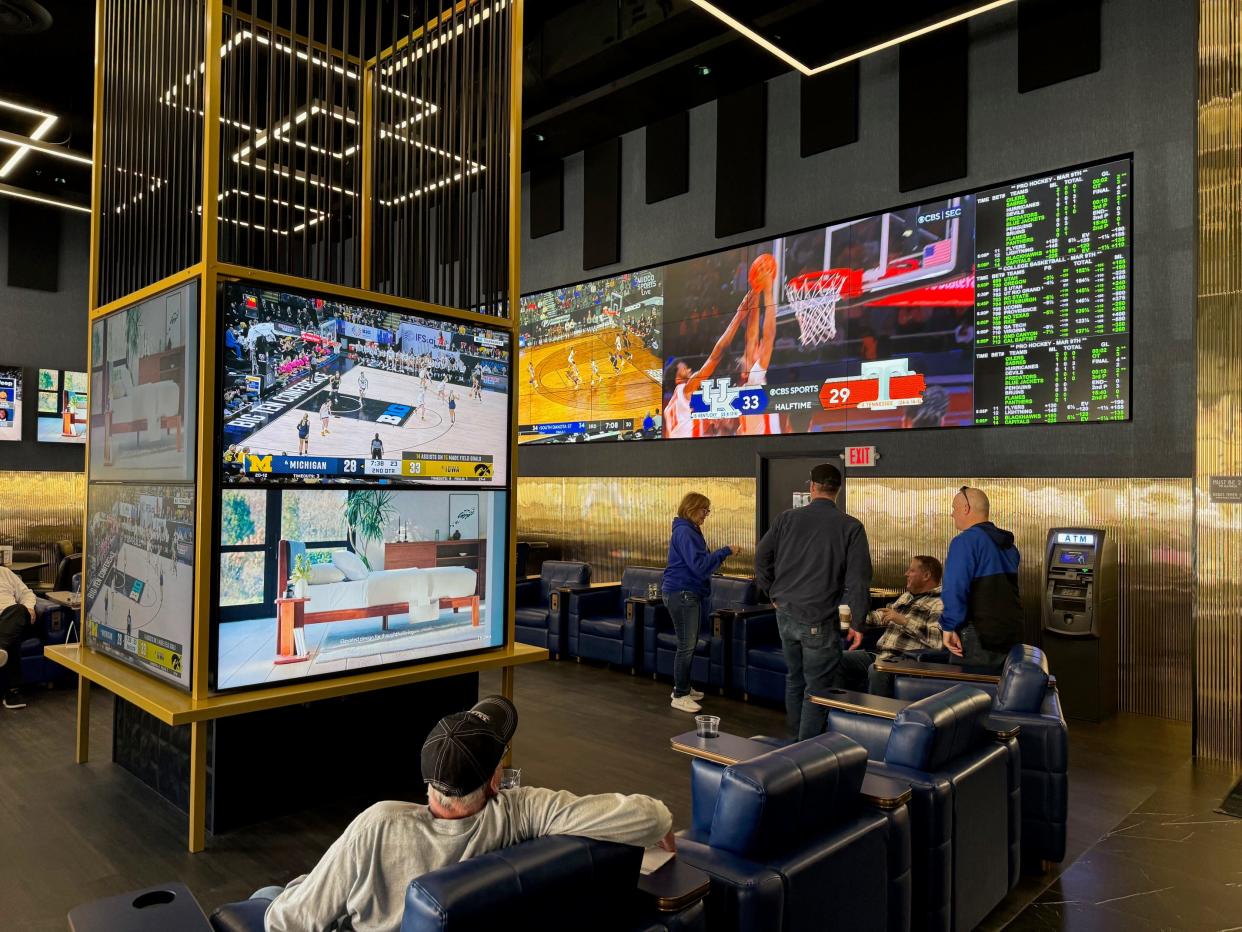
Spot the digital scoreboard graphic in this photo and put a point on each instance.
(1004, 306)
(322, 391)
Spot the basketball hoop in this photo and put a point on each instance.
(814, 297)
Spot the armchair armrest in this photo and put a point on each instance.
(943, 671)
(674, 886)
(527, 591)
(885, 792)
(595, 600)
(847, 700)
(635, 607)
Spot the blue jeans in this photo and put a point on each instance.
(686, 609)
(267, 893)
(813, 656)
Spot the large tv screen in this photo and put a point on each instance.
(324, 391)
(10, 403)
(144, 389)
(1008, 305)
(324, 581)
(62, 406)
(138, 603)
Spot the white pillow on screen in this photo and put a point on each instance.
(322, 573)
(350, 564)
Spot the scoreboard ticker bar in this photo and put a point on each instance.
(464, 467)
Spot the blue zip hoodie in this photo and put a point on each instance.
(981, 586)
(690, 566)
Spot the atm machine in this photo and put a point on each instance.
(1079, 619)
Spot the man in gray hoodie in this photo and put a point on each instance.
(360, 883)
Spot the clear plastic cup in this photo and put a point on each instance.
(510, 778)
(707, 726)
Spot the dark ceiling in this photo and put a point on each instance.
(593, 68)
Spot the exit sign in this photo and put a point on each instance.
(860, 456)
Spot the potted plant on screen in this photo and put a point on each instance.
(367, 513)
(300, 577)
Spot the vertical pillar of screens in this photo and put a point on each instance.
(150, 143)
(668, 157)
(741, 160)
(601, 204)
(829, 109)
(291, 139)
(1057, 40)
(933, 107)
(440, 98)
(547, 198)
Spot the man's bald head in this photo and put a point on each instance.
(970, 507)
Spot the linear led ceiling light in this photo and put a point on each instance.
(46, 121)
(862, 53)
(7, 190)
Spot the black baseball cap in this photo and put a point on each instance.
(465, 748)
(826, 474)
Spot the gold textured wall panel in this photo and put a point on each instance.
(1218, 527)
(615, 522)
(39, 508)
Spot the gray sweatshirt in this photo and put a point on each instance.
(362, 879)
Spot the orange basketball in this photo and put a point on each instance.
(762, 271)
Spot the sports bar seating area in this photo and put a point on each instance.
(637, 465)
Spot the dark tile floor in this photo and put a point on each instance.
(1145, 849)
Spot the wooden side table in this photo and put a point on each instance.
(290, 617)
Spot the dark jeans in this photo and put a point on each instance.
(14, 628)
(685, 608)
(813, 656)
(975, 654)
(858, 672)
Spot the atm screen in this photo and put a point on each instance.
(1073, 557)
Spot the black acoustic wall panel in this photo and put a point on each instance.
(1057, 40)
(829, 103)
(34, 246)
(601, 204)
(547, 198)
(741, 160)
(668, 157)
(933, 107)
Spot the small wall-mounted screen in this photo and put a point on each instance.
(62, 406)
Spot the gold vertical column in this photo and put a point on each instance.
(1218, 334)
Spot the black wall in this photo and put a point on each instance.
(45, 330)
(1141, 101)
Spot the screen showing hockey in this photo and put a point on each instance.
(324, 391)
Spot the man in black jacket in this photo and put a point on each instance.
(811, 560)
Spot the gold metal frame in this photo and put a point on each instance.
(197, 708)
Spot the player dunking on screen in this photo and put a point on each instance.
(760, 339)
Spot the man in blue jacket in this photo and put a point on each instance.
(982, 616)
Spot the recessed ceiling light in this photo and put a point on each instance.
(807, 70)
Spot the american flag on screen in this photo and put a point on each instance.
(938, 253)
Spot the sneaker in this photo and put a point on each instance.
(694, 694)
(684, 704)
(13, 700)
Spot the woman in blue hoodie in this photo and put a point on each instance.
(687, 581)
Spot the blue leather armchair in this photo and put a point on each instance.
(539, 617)
(788, 843)
(965, 805)
(712, 664)
(555, 883)
(1024, 696)
(759, 667)
(53, 624)
(605, 623)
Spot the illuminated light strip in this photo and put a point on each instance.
(788, 59)
(275, 200)
(442, 39)
(427, 189)
(262, 229)
(300, 117)
(296, 176)
(389, 134)
(37, 145)
(7, 190)
(15, 159)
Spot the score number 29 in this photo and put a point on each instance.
(838, 397)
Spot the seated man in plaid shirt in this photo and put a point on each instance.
(913, 623)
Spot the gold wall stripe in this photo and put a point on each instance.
(39, 508)
(615, 522)
(1218, 447)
